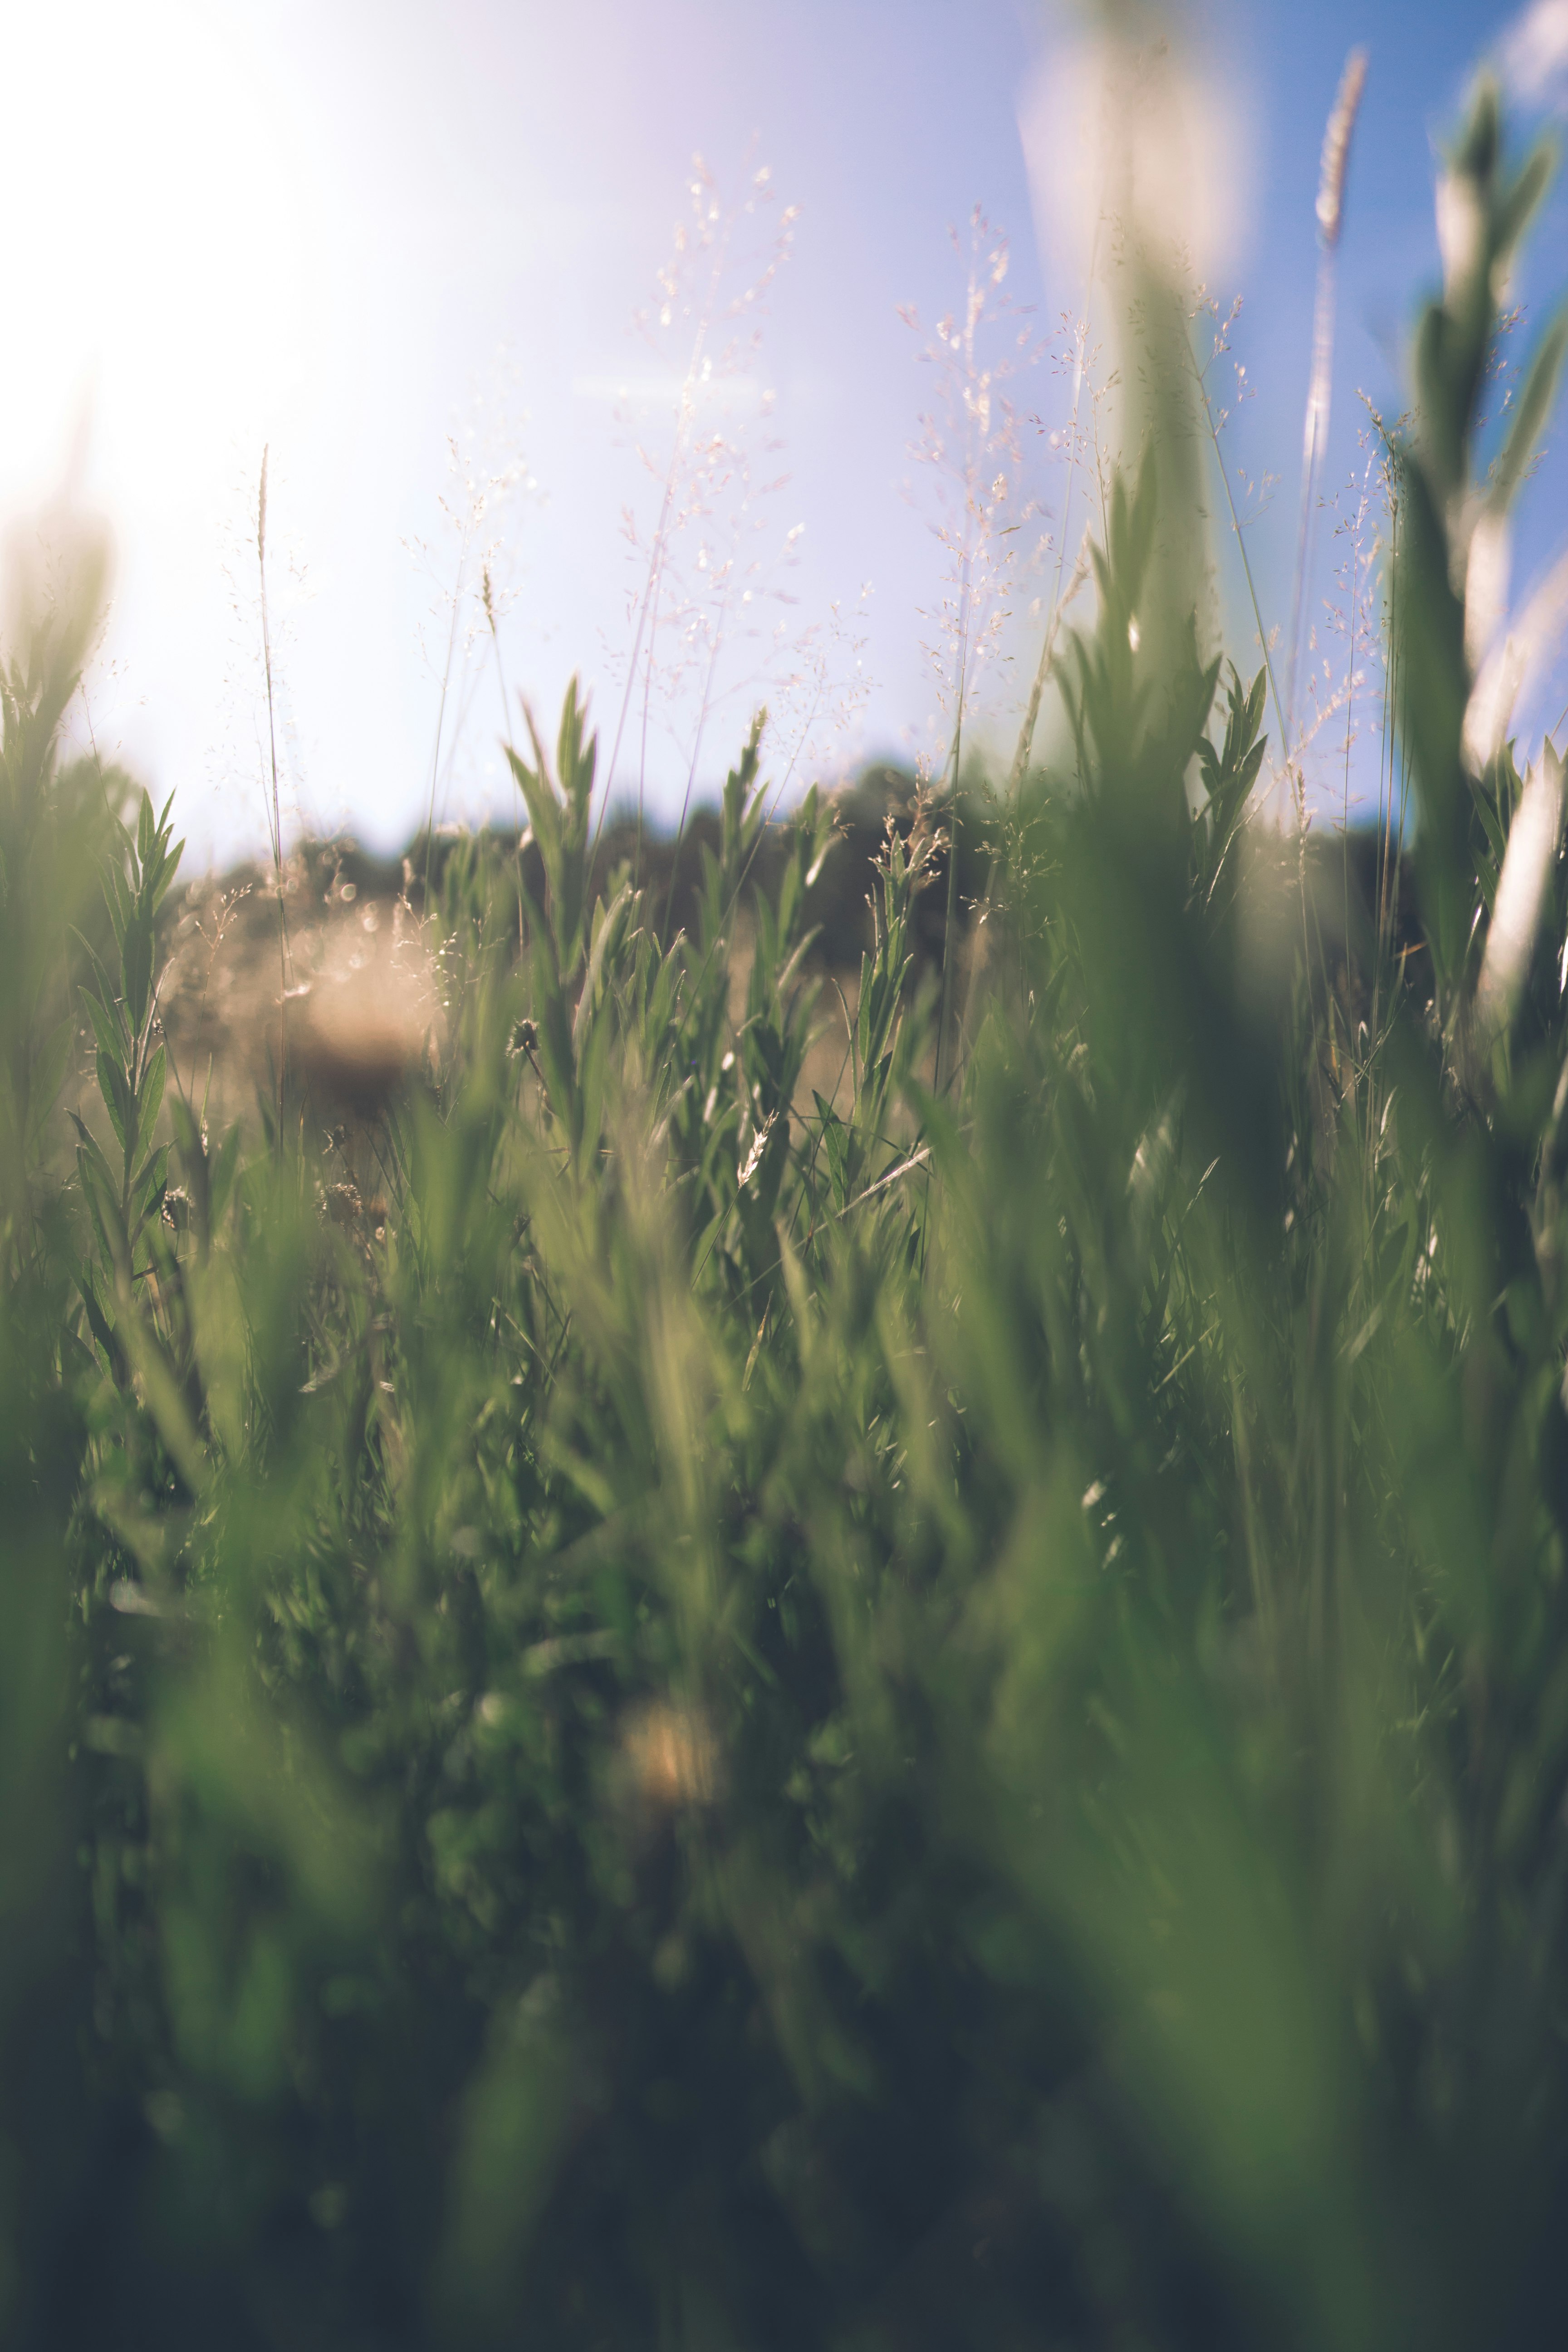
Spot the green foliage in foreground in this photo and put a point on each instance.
(941, 1725)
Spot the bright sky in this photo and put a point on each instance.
(360, 235)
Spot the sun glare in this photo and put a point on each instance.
(160, 299)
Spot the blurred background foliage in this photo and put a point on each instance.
(638, 1713)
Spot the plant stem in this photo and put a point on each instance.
(276, 814)
(950, 920)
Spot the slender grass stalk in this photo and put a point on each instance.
(486, 596)
(1387, 877)
(950, 921)
(1031, 715)
(1315, 429)
(743, 876)
(275, 812)
(1015, 779)
(660, 546)
(642, 747)
(1213, 425)
(1047, 662)
(92, 746)
(1350, 737)
(691, 767)
(441, 721)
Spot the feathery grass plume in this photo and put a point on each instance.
(1061, 599)
(971, 450)
(705, 566)
(470, 564)
(1076, 445)
(970, 442)
(1215, 419)
(1330, 209)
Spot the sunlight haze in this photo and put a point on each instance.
(404, 249)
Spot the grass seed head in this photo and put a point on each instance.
(1337, 147)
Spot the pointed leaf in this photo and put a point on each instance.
(137, 952)
(168, 867)
(187, 1134)
(1255, 701)
(49, 1075)
(105, 987)
(225, 1160)
(149, 1100)
(1531, 411)
(117, 898)
(87, 1146)
(108, 1028)
(148, 1189)
(116, 1092)
(97, 1322)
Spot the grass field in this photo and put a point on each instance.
(737, 1623)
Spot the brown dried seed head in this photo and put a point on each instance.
(341, 1203)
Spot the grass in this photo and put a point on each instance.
(647, 1705)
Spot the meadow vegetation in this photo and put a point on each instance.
(647, 1704)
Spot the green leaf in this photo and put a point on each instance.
(1531, 412)
(225, 1160)
(1530, 185)
(107, 1027)
(148, 1187)
(836, 1140)
(77, 1356)
(97, 1322)
(101, 1195)
(105, 986)
(543, 809)
(49, 1075)
(117, 898)
(187, 1134)
(149, 1100)
(168, 865)
(88, 1145)
(113, 1086)
(137, 954)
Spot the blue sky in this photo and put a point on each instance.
(351, 232)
